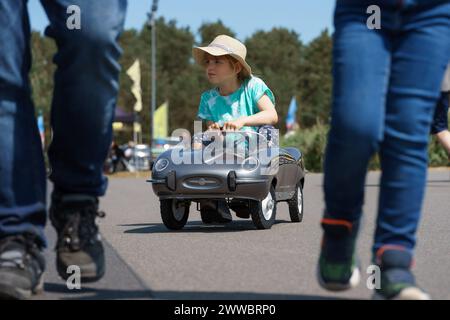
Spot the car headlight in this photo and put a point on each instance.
(250, 164)
(161, 165)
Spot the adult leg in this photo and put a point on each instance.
(413, 92)
(86, 87)
(22, 172)
(361, 71)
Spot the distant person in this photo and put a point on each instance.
(291, 129)
(439, 127)
(118, 156)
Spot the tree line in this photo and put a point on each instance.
(289, 66)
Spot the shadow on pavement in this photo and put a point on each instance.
(92, 293)
(176, 295)
(195, 227)
(107, 294)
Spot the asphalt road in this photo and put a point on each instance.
(146, 261)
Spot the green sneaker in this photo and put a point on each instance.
(397, 280)
(338, 268)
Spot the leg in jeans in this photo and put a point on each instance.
(413, 93)
(22, 172)
(364, 69)
(424, 31)
(361, 73)
(86, 87)
(396, 121)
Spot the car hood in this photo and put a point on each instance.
(188, 156)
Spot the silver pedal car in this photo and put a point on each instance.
(250, 175)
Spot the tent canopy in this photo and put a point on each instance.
(123, 116)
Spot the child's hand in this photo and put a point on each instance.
(214, 126)
(197, 146)
(234, 125)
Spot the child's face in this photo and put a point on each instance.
(220, 69)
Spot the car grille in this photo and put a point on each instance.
(203, 183)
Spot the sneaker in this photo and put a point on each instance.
(79, 242)
(21, 267)
(397, 280)
(338, 269)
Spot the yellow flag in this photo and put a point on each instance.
(161, 121)
(117, 126)
(135, 75)
(137, 127)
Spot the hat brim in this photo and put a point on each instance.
(199, 56)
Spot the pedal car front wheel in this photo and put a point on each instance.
(174, 213)
(263, 212)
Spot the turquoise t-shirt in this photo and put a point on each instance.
(243, 102)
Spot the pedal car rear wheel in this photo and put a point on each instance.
(174, 213)
(296, 205)
(263, 212)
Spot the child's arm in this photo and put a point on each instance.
(267, 116)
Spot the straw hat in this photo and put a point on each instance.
(221, 46)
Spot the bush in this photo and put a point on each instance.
(312, 142)
(437, 157)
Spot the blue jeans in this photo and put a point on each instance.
(386, 85)
(84, 99)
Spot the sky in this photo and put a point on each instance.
(306, 17)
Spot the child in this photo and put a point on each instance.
(238, 101)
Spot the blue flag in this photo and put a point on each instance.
(291, 117)
(41, 127)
